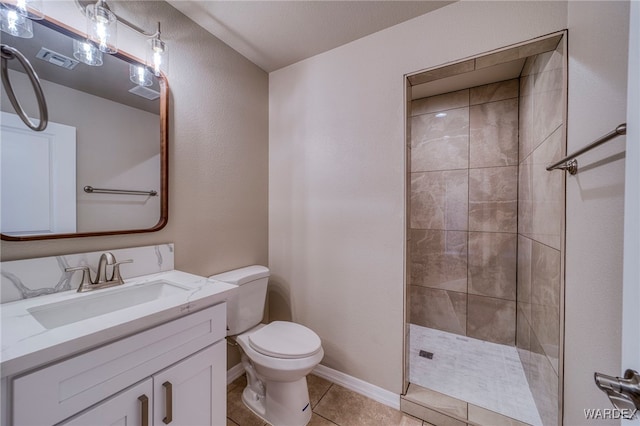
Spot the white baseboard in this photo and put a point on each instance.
(359, 386)
(234, 372)
(374, 392)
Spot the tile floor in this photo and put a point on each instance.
(331, 404)
(485, 374)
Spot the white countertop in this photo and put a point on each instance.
(26, 344)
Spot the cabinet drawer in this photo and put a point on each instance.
(70, 386)
(124, 408)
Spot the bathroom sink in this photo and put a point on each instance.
(102, 302)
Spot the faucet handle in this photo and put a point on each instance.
(108, 258)
(116, 271)
(86, 277)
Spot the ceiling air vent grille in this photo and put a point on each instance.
(145, 92)
(56, 58)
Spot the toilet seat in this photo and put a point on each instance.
(282, 339)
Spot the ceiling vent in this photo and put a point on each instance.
(145, 92)
(56, 58)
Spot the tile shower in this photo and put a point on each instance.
(484, 252)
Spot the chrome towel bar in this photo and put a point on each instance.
(92, 190)
(570, 164)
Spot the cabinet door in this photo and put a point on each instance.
(193, 391)
(131, 407)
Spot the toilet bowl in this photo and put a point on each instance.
(276, 357)
(280, 363)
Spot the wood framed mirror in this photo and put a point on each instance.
(105, 132)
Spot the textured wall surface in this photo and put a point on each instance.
(598, 57)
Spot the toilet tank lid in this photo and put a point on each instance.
(242, 275)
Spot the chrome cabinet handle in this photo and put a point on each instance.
(168, 395)
(144, 410)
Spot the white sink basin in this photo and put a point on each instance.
(102, 302)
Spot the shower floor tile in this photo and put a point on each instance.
(485, 374)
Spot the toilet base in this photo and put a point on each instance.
(284, 403)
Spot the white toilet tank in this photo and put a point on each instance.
(246, 308)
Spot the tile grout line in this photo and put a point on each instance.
(322, 397)
(330, 421)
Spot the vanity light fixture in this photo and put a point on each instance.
(140, 75)
(102, 27)
(16, 16)
(157, 55)
(87, 53)
(102, 31)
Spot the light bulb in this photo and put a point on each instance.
(12, 17)
(157, 55)
(140, 75)
(157, 61)
(21, 5)
(87, 53)
(31, 9)
(11, 22)
(101, 32)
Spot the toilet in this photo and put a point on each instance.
(276, 357)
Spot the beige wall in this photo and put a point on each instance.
(217, 154)
(598, 40)
(336, 194)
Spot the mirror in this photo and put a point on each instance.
(104, 132)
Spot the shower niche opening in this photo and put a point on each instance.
(485, 238)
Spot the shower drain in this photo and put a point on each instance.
(425, 354)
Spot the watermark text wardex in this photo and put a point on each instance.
(610, 413)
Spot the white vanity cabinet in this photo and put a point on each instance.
(172, 374)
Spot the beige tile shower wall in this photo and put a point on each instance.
(540, 216)
(463, 211)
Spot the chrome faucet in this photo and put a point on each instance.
(101, 281)
(105, 259)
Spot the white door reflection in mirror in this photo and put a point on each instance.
(38, 178)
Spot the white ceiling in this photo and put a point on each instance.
(274, 34)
